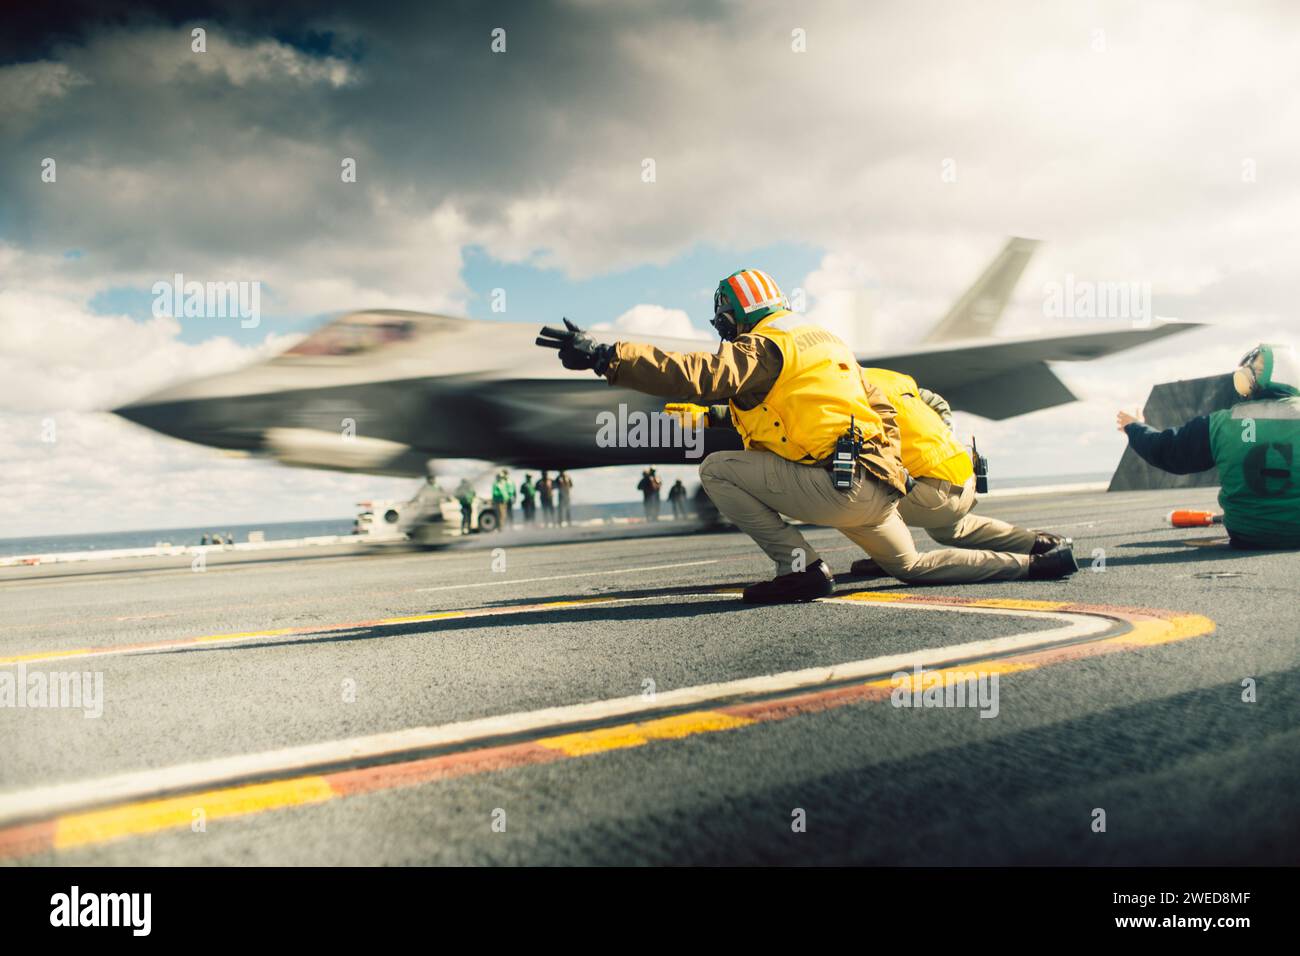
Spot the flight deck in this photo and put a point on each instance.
(613, 702)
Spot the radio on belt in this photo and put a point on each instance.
(981, 465)
(847, 448)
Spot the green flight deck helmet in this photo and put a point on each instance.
(744, 299)
(1268, 371)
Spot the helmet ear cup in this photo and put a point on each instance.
(1243, 380)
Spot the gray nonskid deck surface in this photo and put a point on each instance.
(1159, 738)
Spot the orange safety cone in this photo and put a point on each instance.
(1187, 518)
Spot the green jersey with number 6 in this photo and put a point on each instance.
(1257, 448)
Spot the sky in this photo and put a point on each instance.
(873, 155)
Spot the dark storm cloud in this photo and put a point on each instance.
(35, 31)
(214, 158)
(164, 155)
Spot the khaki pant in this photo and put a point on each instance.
(943, 510)
(753, 489)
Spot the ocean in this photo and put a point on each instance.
(147, 538)
(273, 530)
(282, 530)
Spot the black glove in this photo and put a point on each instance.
(578, 350)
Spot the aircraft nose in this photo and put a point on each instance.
(204, 421)
(148, 414)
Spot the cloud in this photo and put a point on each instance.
(655, 320)
(229, 160)
(843, 291)
(89, 472)
(61, 356)
(1147, 144)
(224, 165)
(27, 87)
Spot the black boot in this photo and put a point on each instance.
(816, 582)
(1045, 541)
(866, 568)
(1057, 563)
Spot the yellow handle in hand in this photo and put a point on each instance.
(692, 416)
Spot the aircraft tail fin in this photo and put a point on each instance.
(976, 313)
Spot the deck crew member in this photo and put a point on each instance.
(1255, 444)
(793, 391)
(944, 491)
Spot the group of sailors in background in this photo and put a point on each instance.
(650, 485)
(545, 502)
(552, 495)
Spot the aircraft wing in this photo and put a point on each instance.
(1002, 378)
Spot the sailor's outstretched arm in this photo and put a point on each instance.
(1180, 451)
(745, 368)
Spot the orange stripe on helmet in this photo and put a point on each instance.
(742, 292)
(757, 293)
(776, 290)
(754, 289)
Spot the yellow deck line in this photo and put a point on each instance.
(306, 630)
(909, 597)
(941, 676)
(153, 816)
(637, 734)
(1152, 631)
(150, 816)
(1019, 604)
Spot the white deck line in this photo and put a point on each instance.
(48, 801)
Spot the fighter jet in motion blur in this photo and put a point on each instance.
(386, 392)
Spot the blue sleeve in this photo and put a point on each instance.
(1181, 451)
